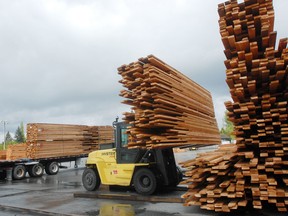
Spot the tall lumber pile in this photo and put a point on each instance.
(168, 109)
(255, 170)
(53, 140)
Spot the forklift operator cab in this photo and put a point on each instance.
(143, 169)
(123, 154)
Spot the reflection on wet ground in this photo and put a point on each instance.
(125, 210)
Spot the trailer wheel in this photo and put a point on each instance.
(90, 179)
(36, 170)
(52, 168)
(19, 172)
(144, 181)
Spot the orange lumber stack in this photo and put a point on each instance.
(101, 135)
(16, 151)
(168, 109)
(256, 174)
(57, 140)
(2, 154)
(53, 140)
(211, 180)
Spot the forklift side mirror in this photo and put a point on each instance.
(115, 122)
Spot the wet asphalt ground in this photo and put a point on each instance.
(54, 195)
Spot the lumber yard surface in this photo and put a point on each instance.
(254, 171)
(54, 195)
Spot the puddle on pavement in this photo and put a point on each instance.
(71, 184)
(52, 181)
(124, 210)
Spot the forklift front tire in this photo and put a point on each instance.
(144, 181)
(90, 179)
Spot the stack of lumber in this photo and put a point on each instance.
(53, 140)
(16, 151)
(255, 171)
(212, 183)
(2, 154)
(57, 140)
(168, 109)
(101, 135)
(45, 140)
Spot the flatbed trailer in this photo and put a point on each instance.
(17, 169)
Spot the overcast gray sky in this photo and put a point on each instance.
(59, 58)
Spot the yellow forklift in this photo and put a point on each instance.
(144, 169)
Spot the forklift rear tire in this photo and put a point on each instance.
(90, 179)
(52, 168)
(144, 181)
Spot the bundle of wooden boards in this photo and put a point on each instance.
(168, 109)
(101, 135)
(254, 171)
(2, 154)
(58, 140)
(52, 140)
(16, 151)
(211, 181)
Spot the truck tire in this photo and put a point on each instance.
(144, 181)
(90, 179)
(36, 170)
(52, 168)
(19, 172)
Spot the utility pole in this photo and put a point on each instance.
(4, 131)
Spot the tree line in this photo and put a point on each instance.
(228, 128)
(19, 136)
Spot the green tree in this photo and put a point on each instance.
(19, 134)
(22, 131)
(8, 138)
(228, 127)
